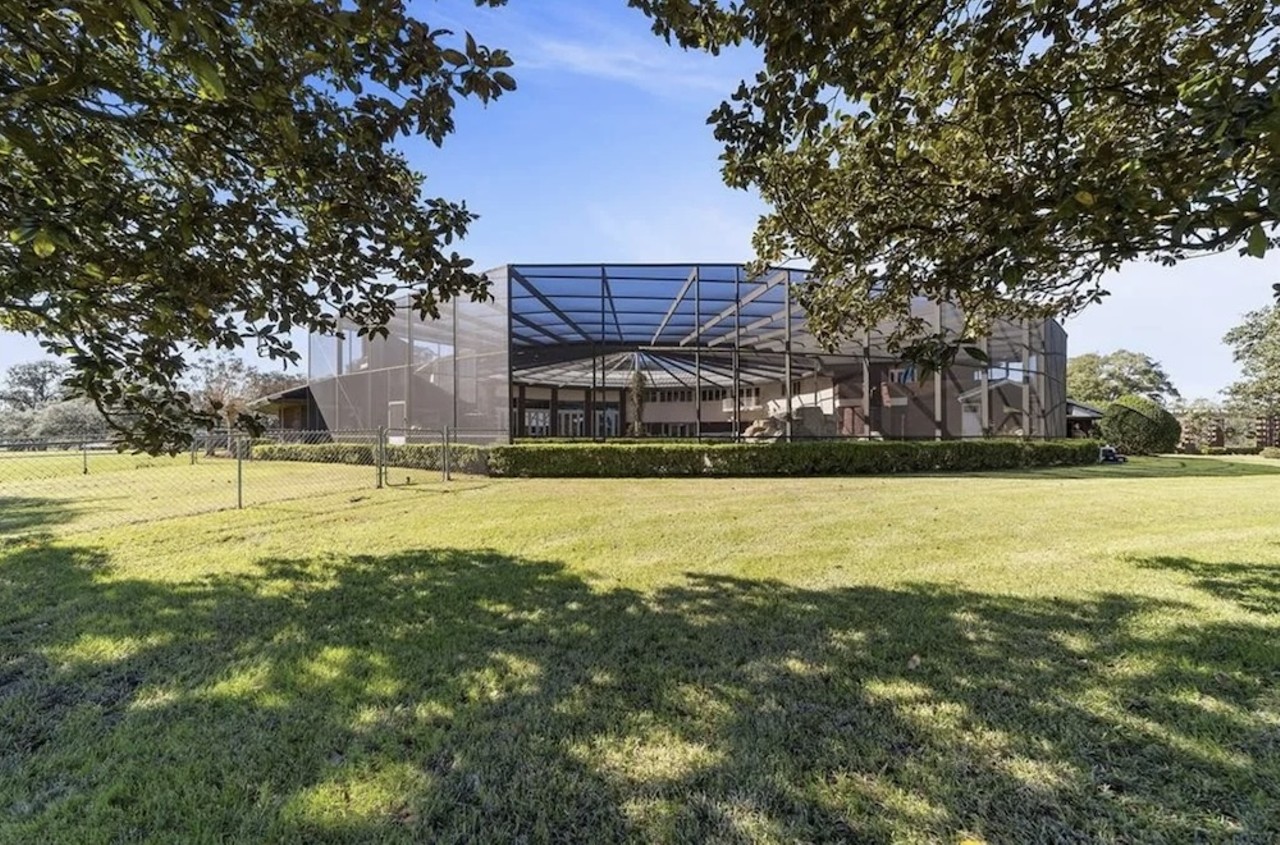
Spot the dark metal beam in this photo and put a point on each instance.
(608, 291)
(688, 283)
(667, 370)
(748, 329)
(550, 306)
(530, 324)
(771, 283)
(766, 374)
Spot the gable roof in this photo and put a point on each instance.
(1079, 410)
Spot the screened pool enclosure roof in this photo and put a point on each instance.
(681, 324)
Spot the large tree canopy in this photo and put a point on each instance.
(1102, 379)
(32, 385)
(1255, 346)
(225, 385)
(182, 175)
(1003, 154)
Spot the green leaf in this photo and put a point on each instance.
(956, 71)
(505, 81)
(208, 76)
(206, 35)
(1085, 198)
(22, 234)
(454, 57)
(1257, 246)
(143, 14)
(43, 244)
(177, 25)
(290, 132)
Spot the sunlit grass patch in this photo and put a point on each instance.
(1032, 658)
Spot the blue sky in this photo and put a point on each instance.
(603, 154)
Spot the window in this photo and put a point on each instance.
(1003, 371)
(669, 395)
(537, 422)
(748, 397)
(714, 394)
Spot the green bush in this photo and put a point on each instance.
(463, 458)
(1271, 452)
(1231, 450)
(599, 460)
(649, 460)
(325, 453)
(624, 440)
(1139, 426)
(818, 457)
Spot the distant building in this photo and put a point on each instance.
(1082, 419)
(1268, 430)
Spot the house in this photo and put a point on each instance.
(1082, 419)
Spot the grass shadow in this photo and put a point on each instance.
(462, 696)
(1252, 586)
(19, 514)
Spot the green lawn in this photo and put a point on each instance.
(51, 492)
(1066, 655)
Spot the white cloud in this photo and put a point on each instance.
(614, 44)
(655, 68)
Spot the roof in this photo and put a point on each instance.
(583, 324)
(1079, 410)
(293, 394)
(677, 325)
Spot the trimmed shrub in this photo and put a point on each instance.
(1139, 426)
(1232, 450)
(623, 441)
(1271, 452)
(322, 453)
(816, 457)
(671, 460)
(599, 460)
(462, 457)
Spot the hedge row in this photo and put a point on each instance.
(783, 459)
(462, 457)
(1270, 452)
(1231, 450)
(643, 460)
(323, 453)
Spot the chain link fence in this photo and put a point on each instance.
(78, 485)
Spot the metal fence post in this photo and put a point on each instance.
(239, 473)
(84, 455)
(444, 453)
(380, 456)
(193, 448)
